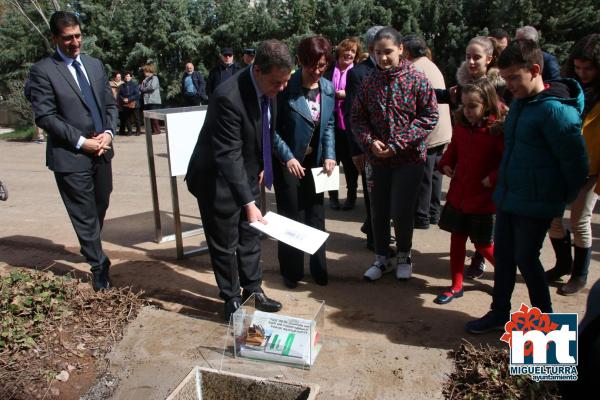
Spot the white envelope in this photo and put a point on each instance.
(324, 182)
(293, 233)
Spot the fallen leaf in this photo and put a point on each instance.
(63, 376)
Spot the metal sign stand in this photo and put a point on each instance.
(179, 235)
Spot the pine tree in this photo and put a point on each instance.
(128, 34)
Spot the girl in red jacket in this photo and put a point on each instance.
(472, 160)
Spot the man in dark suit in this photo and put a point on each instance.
(232, 158)
(73, 103)
(355, 78)
(224, 70)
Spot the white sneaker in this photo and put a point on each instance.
(403, 268)
(379, 267)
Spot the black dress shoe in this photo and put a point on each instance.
(290, 284)
(100, 280)
(364, 228)
(262, 302)
(349, 203)
(231, 306)
(321, 279)
(334, 203)
(320, 276)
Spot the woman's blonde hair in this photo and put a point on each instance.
(149, 68)
(485, 42)
(348, 44)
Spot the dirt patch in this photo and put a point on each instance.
(481, 372)
(55, 333)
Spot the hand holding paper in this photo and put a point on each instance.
(293, 233)
(328, 166)
(325, 182)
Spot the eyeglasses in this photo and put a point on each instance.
(319, 66)
(68, 38)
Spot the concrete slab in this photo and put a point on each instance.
(385, 339)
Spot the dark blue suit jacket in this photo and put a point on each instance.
(355, 78)
(59, 109)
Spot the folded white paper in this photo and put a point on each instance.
(293, 233)
(324, 182)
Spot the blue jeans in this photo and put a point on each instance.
(517, 243)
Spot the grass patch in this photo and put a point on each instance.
(19, 135)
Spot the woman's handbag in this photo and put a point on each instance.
(130, 104)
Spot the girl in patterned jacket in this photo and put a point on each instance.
(392, 115)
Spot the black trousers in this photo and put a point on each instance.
(297, 200)
(393, 195)
(126, 115)
(86, 195)
(234, 246)
(192, 101)
(368, 223)
(343, 156)
(518, 241)
(430, 192)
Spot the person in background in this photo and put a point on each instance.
(150, 88)
(394, 112)
(353, 83)
(224, 70)
(248, 56)
(543, 168)
(193, 87)
(345, 53)
(551, 67)
(501, 37)
(114, 83)
(430, 193)
(304, 139)
(582, 65)
(479, 55)
(129, 98)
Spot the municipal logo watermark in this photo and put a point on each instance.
(542, 345)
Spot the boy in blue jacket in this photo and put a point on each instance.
(543, 167)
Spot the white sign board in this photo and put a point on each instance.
(183, 129)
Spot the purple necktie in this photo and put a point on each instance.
(266, 143)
